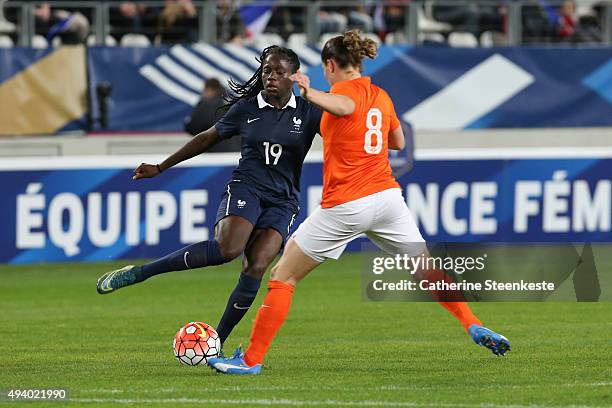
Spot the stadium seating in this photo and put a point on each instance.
(297, 40)
(6, 26)
(267, 39)
(327, 36)
(135, 40)
(108, 41)
(396, 37)
(462, 39)
(39, 42)
(6, 41)
(427, 24)
(486, 39)
(435, 38)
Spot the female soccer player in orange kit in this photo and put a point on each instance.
(360, 195)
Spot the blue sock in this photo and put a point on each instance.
(238, 304)
(205, 253)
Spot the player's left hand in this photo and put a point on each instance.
(302, 81)
(145, 170)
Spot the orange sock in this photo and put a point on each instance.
(270, 318)
(453, 301)
(462, 312)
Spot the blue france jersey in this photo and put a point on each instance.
(274, 142)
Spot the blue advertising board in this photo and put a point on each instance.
(90, 209)
(155, 88)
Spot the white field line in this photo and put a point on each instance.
(238, 388)
(290, 402)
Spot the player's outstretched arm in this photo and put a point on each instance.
(199, 144)
(338, 105)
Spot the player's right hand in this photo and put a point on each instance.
(145, 170)
(303, 83)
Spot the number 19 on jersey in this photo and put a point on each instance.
(274, 150)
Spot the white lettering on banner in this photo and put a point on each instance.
(160, 213)
(132, 218)
(482, 207)
(28, 220)
(424, 207)
(67, 239)
(546, 201)
(68, 221)
(70, 217)
(591, 213)
(480, 195)
(525, 205)
(556, 203)
(192, 213)
(99, 237)
(450, 196)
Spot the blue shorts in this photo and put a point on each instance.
(261, 210)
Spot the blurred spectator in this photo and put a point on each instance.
(358, 17)
(570, 28)
(135, 18)
(590, 24)
(336, 19)
(287, 20)
(536, 25)
(229, 24)
(331, 21)
(390, 16)
(470, 17)
(178, 22)
(207, 112)
(560, 23)
(71, 26)
(567, 21)
(5, 25)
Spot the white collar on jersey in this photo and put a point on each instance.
(262, 102)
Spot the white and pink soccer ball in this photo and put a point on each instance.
(195, 343)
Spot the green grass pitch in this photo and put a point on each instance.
(334, 350)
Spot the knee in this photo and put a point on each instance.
(274, 272)
(256, 268)
(229, 251)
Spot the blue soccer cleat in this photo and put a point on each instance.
(482, 336)
(233, 365)
(113, 280)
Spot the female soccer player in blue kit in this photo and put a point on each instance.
(260, 203)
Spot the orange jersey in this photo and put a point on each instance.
(355, 147)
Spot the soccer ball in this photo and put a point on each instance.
(195, 342)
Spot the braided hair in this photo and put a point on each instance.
(254, 85)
